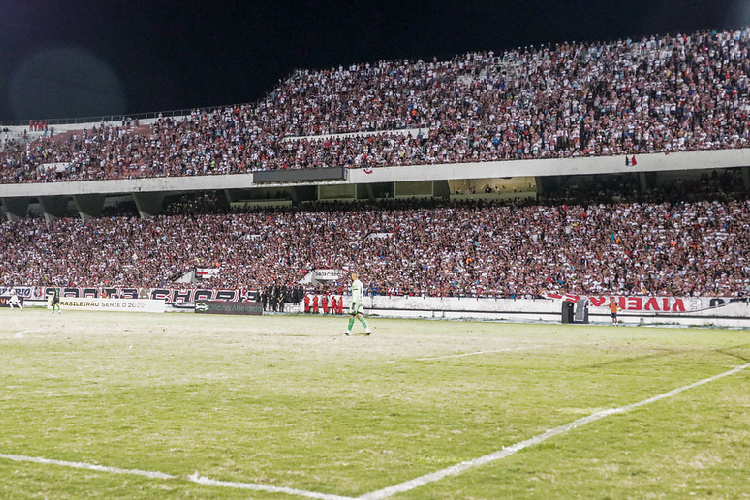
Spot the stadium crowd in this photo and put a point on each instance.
(433, 249)
(660, 94)
(667, 93)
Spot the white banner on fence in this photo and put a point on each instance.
(327, 274)
(125, 305)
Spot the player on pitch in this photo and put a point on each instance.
(55, 300)
(14, 300)
(357, 308)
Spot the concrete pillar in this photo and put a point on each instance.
(233, 195)
(547, 184)
(647, 180)
(15, 208)
(364, 192)
(54, 207)
(149, 203)
(539, 185)
(441, 189)
(89, 205)
(294, 193)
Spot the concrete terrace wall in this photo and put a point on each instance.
(655, 162)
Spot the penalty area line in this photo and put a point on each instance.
(83, 465)
(194, 478)
(23, 333)
(463, 355)
(513, 449)
(477, 353)
(262, 487)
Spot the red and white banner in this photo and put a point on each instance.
(646, 304)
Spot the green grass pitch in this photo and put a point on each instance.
(256, 403)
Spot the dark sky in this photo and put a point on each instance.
(72, 58)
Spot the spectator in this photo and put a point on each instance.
(407, 248)
(670, 93)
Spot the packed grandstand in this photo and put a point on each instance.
(670, 93)
(659, 94)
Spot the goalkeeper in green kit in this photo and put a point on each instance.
(357, 308)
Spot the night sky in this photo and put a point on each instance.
(66, 59)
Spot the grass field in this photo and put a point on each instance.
(117, 405)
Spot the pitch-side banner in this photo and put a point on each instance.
(245, 308)
(4, 302)
(23, 292)
(123, 305)
(652, 305)
(168, 295)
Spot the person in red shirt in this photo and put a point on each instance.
(334, 306)
(324, 303)
(315, 305)
(306, 302)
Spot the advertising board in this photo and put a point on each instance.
(245, 308)
(122, 305)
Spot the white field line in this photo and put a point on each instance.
(513, 449)
(262, 487)
(463, 355)
(19, 335)
(398, 488)
(195, 478)
(82, 465)
(478, 353)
